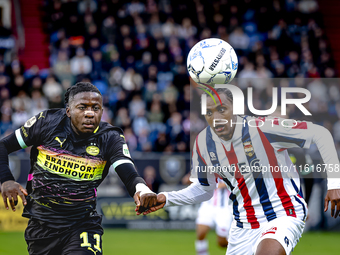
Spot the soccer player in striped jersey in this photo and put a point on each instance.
(250, 155)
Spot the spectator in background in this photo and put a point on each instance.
(4, 95)
(80, 63)
(239, 40)
(52, 88)
(186, 30)
(109, 30)
(62, 68)
(132, 81)
(20, 115)
(150, 177)
(140, 124)
(98, 70)
(22, 101)
(6, 113)
(130, 139)
(18, 85)
(38, 104)
(136, 105)
(155, 115)
(122, 119)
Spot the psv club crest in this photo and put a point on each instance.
(248, 149)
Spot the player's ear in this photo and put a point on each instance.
(68, 111)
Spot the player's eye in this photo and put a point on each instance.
(96, 108)
(221, 110)
(81, 108)
(209, 113)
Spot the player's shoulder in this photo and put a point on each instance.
(275, 125)
(47, 117)
(53, 114)
(202, 135)
(107, 130)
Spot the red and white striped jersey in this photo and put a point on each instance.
(255, 165)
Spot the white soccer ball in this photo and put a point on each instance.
(212, 61)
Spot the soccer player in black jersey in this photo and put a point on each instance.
(71, 153)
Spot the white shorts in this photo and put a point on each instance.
(286, 230)
(216, 217)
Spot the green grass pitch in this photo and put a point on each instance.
(126, 242)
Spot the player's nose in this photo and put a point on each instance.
(89, 114)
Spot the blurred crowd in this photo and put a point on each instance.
(135, 53)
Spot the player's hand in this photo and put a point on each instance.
(333, 196)
(161, 200)
(11, 190)
(144, 202)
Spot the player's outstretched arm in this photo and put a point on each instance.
(143, 196)
(324, 141)
(9, 188)
(193, 194)
(333, 196)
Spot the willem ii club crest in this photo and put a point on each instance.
(248, 148)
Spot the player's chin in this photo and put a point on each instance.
(87, 130)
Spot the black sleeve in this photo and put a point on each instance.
(121, 161)
(11, 143)
(129, 176)
(23, 137)
(32, 131)
(8, 145)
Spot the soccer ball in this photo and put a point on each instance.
(212, 61)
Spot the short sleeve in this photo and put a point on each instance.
(32, 131)
(118, 151)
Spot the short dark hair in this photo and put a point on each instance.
(78, 88)
(225, 91)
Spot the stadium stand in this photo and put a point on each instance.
(135, 53)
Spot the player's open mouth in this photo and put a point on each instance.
(219, 128)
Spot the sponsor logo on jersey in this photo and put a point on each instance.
(248, 148)
(92, 150)
(272, 230)
(95, 252)
(291, 211)
(212, 156)
(286, 241)
(126, 150)
(60, 142)
(30, 122)
(41, 115)
(70, 166)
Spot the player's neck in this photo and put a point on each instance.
(79, 134)
(229, 136)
